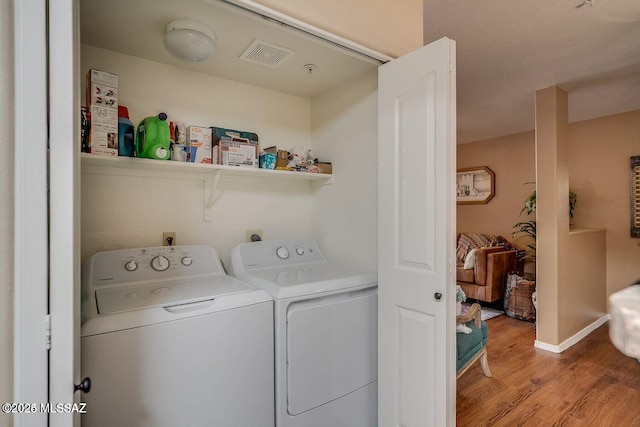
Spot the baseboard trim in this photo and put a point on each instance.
(574, 339)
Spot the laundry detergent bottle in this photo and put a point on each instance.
(153, 138)
(126, 133)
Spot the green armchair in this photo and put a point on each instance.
(473, 346)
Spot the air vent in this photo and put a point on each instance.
(265, 53)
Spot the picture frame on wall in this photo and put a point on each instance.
(475, 186)
(635, 196)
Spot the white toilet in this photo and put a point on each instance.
(624, 327)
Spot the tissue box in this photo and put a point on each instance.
(267, 161)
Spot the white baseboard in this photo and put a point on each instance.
(574, 339)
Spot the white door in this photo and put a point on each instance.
(416, 232)
(64, 211)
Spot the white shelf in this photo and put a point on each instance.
(210, 174)
(94, 163)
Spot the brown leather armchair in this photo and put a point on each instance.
(486, 280)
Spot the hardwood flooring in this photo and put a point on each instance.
(590, 384)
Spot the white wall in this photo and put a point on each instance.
(345, 131)
(6, 206)
(120, 211)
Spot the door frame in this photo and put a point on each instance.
(64, 206)
(30, 209)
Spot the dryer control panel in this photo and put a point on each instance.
(276, 253)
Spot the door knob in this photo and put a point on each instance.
(437, 296)
(84, 386)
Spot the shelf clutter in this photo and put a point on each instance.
(108, 133)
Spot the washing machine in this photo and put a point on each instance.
(325, 323)
(168, 339)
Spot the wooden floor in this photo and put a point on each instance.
(590, 384)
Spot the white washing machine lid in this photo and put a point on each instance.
(119, 310)
(307, 279)
(111, 300)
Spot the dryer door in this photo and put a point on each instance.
(331, 348)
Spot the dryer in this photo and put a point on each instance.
(325, 324)
(168, 339)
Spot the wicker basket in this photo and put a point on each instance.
(518, 302)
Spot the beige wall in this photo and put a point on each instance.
(511, 159)
(582, 297)
(390, 27)
(6, 207)
(599, 173)
(598, 161)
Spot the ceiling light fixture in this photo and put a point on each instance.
(189, 40)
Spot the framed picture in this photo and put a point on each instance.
(635, 196)
(475, 185)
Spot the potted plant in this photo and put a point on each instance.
(528, 228)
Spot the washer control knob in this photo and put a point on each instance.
(186, 261)
(300, 251)
(131, 266)
(282, 252)
(160, 263)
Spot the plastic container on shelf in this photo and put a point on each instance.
(126, 133)
(153, 138)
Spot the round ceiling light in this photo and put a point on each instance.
(189, 40)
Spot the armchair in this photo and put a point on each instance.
(483, 264)
(473, 346)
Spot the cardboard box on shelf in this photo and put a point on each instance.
(199, 144)
(102, 78)
(104, 151)
(325, 167)
(230, 135)
(102, 95)
(103, 131)
(102, 103)
(233, 153)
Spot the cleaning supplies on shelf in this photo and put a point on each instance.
(153, 138)
(126, 133)
(179, 142)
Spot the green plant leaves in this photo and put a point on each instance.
(528, 228)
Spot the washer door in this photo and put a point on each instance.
(331, 348)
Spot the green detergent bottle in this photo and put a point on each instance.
(153, 138)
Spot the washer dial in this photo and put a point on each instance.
(282, 252)
(300, 251)
(160, 263)
(131, 266)
(186, 261)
